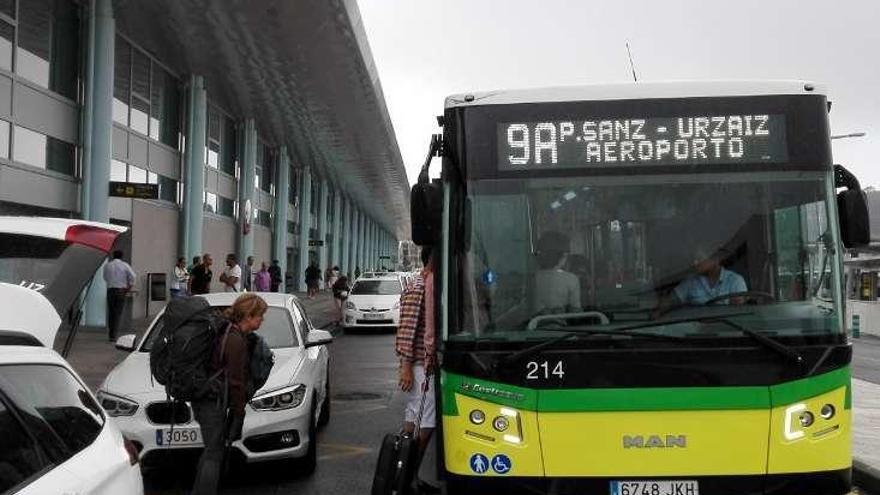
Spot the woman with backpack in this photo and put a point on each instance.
(232, 357)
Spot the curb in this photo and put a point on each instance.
(866, 477)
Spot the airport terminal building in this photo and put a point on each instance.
(253, 127)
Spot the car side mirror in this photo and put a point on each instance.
(318, 337)
(126, 342)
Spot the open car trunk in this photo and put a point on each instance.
(55, 258)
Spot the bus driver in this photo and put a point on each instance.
(711, 281)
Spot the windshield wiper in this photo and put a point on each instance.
(572, 332)
(768, 342)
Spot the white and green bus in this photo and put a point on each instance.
(641, 290)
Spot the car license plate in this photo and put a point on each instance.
(374, 316)
(655, 487)
(178, 436)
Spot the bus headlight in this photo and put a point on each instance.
(500, 424)
(827, 411)
(477, 417)
(807, 419)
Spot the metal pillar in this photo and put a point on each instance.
(246, 184)
(356, 241)
(192, 216)
(336, 255)
(305, 224)
(98, 135)
(345, 237)
(279, 233)
(323, 194)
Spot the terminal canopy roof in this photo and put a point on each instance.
(303, 69)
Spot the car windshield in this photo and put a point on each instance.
(584, 249)
(277, 329)
(376, 288)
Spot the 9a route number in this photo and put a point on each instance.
(544, 370)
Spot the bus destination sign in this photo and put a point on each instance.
(706, 139)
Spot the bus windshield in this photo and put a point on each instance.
(646, 247)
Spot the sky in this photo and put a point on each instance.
(427, 49)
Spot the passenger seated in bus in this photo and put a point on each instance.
(710, 282)
(555, 290)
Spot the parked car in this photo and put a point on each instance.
(56, 437)
(373, 302)
(280, 421)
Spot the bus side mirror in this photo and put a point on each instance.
(852, 212)
(426, 210)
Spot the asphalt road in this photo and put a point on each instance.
(866, 358)
(364, 407)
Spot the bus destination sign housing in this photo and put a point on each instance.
(637, 141)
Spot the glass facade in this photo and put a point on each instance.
(268, 182)
(293, 190)
(263, 217)
(32, 148)
(48, 44)
(146, 98)
(220, 142)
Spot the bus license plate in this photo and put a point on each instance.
(655, 487)
(178, 436)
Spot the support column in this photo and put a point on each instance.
(98, 135)
(279, 233)
(356, 241)
(305, 223)
(371, 244)
(323, 194)
(346, 245)
(336, 256)
(246, 184)
(192, 215)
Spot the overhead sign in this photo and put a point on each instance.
(581, 143)
(316, 242)
(134, 190)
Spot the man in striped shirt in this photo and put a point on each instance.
(415, 345)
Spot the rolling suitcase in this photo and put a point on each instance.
(399, 457)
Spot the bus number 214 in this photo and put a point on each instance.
(544, 370)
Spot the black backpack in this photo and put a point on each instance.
(181, 357)
(260, 365)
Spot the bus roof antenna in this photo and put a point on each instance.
(632, 64)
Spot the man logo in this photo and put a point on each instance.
(654, 442)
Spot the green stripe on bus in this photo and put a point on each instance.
(641, 399)
(789, 392)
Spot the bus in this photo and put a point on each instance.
(641, 290)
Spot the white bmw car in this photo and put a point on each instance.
(280, 421)
(373, 302)
(54, 436)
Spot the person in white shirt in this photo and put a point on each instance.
(556, 290)
(180, 280)
(231, 276)
(120, 279)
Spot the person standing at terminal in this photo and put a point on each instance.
(201, 275)
(415, 345)
(262, 279)
(313, 277)
(197, 260)
(120, 279)
(181, 279)
(275, 274)
(231, 276)
(247, 274)
(232, 356)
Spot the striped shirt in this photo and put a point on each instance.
(410, 342)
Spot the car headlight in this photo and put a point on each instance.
(283, 398)
(350, 305)
(117, 405)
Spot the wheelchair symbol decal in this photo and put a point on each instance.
(501, 464)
